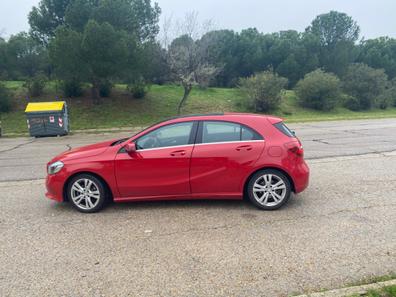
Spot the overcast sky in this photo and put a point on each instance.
(375, 17)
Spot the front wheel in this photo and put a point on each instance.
(86, 193)
(269, 189)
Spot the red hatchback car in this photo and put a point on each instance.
(213, 156)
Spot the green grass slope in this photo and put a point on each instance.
(121, 110)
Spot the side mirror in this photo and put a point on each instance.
(130, 148)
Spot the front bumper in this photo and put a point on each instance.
(54, 184)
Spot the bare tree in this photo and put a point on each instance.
(188, 57)
(165, 35)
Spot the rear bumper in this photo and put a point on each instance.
(54, 185)
(301, 177)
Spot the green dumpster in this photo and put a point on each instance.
(47, 118)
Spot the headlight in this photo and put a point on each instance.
(55, 167)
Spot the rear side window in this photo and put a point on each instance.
(284, 129)
(217, 131)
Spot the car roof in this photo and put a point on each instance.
(222, 116)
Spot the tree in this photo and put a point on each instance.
(189, 65)
(292, 56)
(364, 85)
(78, 13)
(104, 51)
(392, 91)
(99, 40)
(96, 55)
(144, 20)
(25, 57)
(263, 90)
(152, 64)
(388, 96)
(137, 17)
(46, 18)
(222, 51)
(3, 59)
(319, 90)
(379, 53)
(5, 98)
(66, 55)
(337, 33)
(253, 51)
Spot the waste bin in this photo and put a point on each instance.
(47, 118)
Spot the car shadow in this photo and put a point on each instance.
(179, 204)
(243, 204)
(196, 204)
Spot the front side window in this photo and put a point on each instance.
(217, 131)
(170, 135)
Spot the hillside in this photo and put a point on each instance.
(121, 110)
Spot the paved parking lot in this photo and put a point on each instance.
(25, 158)
(343, 228)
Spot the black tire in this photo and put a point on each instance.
(97, 186)
(271, 201)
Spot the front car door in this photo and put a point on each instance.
(224, 154)
(161, 164)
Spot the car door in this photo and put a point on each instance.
(160, 166)
(223, 156)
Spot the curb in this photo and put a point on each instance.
(84, 131)
(120, 129)
(359, 290)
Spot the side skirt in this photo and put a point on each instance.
(205, 196)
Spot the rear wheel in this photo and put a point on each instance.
(269, 189)
(87, 193)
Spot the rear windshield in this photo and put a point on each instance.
(283, 128)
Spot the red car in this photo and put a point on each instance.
(213, 156)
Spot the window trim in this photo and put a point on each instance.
(191, 139)
(200, 133)
(228, 142)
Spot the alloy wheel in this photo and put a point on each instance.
(85, 193)
(269, 190)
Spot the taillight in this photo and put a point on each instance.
(295, 148)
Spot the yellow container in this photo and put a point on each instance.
(45, 106)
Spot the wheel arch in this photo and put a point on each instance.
(268, 167)
(66, 184)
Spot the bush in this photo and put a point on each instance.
(5, 98)
(71, 88)
(364, 85)
(138, 89)
(392, 91)
(263, 90)
(352, 103)
(388, 97)
(105, 89)
(384, 101)
(35, 85)
(319, 90)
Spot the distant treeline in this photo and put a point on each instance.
(107, 41)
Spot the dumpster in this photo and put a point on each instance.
(47, 118)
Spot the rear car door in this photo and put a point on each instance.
(161, 164)
(223, 155)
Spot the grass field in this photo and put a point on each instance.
(121, 110)
(384, 292)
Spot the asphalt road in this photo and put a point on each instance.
(340, 230)
(25, 158)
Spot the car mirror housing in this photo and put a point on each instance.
(130, 148)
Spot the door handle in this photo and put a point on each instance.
(244, 147)
(178, 153)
